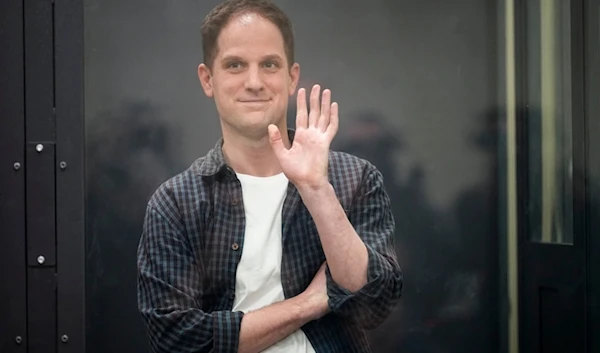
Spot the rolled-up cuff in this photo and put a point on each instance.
(367, 294)
(226, 335)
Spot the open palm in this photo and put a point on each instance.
(305, 163)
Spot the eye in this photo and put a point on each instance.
(234, 65)
(271, 65)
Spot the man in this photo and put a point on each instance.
(271, 242)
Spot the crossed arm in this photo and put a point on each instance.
(169, 287)
(364, 290)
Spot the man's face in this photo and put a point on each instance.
(250, 80)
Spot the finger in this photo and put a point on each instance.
(276, 141)
(334, 121)
(301, 113)
(325, 110)
(315, 111)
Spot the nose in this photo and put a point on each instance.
(254, 80)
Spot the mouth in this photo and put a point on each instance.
(254, 101)
(255, 104)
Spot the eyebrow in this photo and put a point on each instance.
(273, 57)
(231, 58)
(238, 58)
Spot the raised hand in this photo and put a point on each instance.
(305, 163)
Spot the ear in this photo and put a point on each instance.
(294, 77)
(205, 79)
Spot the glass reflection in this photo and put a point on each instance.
(417, 103)
(550, 121)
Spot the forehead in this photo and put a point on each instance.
(250, 33)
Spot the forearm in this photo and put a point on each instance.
(263, 328)
(346, 253)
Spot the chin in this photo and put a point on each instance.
(254, 123)
(258, 118)
(254, 132)
(255, 127)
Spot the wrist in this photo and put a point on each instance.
(314, 191)
(307, 310)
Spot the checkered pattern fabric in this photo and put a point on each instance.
(192, 242)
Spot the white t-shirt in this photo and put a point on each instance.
(258, 277)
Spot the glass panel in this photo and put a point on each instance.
(416, 84)
(549, 98)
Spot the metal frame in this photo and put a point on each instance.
(592, 121)
(42, 172)
(538, 267)
(13, 305)
(70, 178)
(40, 176)
(507, 176)
(521, 145)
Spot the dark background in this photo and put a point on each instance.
(417, 86)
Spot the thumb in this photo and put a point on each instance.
(276, 141)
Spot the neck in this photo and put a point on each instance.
(251, 155)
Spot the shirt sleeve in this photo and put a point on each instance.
(372, 218)
(170, 291)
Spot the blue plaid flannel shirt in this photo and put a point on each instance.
(192, 242)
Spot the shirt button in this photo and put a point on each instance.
(232, 295)
(235, 246)
(234, 202)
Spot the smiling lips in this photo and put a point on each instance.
(254, 100)
(255, 103)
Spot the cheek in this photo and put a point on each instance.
(280, 85)
(221, 98)
(224, 93)
(226, 83)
